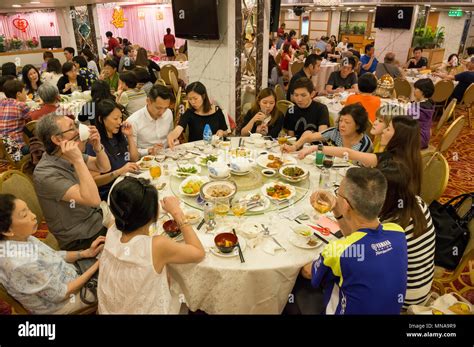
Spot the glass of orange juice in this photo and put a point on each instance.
(238, 209)
(221, 208)
(155, 172)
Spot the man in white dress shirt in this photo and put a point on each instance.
(152, 123)
(342, 46)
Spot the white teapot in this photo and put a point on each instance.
(218, 169)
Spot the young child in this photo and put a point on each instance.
(423, 108)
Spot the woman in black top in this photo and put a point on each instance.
(200, 113)
(100, 90)
(71, 81)
(143, 61)
(31, 79)
(263, 117)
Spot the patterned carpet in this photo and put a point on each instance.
(461, 161)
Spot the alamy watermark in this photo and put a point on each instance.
(19, 250)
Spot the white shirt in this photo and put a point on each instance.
(342, 46)
(147, 131)
(128, 282)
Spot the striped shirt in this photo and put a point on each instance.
(421, 252)
(13, 117)
(333, 134)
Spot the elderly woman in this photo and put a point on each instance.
(40, 278)
(349, 132)
(71, 81)
(49, 94)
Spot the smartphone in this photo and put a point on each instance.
(339, 234)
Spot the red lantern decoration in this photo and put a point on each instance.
(20, 24)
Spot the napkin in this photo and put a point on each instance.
(270, 247)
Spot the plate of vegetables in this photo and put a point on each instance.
(204, 160)
(192, 185)
(186, 170)
(293, 173)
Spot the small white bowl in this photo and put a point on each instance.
(268, 172)
(259, 142)
(303, 232)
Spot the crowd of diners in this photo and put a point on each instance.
(134, 117)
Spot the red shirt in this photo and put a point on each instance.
(284, 64)
(13, 117)
(45, 109)
(281, 32)
(113, 42)
(169, 40)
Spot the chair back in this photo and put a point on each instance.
(18, 164)
(402, 87)
(443, 90)
(173, 81)
(468, 97)
(280, 93)
(447, 113)
(177, 104)
(160, 81)
(17, 183)
(162, 48)
(435, 176)
(30, 128)
(284, 105)
(296, 66)
(165, 75)
(451, 134)
(278, 58)
(181, 57)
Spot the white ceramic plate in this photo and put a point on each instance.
(235, 253)
(293, 179)
(175, 172)
(202, 179)
(300, 243)
(271, 184)
(238, 173)
(263, 160)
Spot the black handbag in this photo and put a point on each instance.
(88, 292)
(451, 226)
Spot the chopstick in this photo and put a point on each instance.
(201, 224)
(242, 260)
(319, 237)
(240, 141)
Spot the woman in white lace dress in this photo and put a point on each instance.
(133, 276)
(53, 72)
(40, 278)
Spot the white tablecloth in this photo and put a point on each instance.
(260, 285)
(321, 78)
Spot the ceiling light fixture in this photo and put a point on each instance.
(16, 5)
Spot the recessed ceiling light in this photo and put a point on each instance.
(361, 6)
(35, 2)
(434, 8)
(16, 5)
(371, 10)
(319, 8)
(341, 5)
(348, 8)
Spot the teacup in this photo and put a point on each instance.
(303, 232)
(240, 165)
(218, 169)
(255, 136)
(84, 132)
(259, 142)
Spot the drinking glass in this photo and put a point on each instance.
(221, 208)
(238, 209)
(155, 172)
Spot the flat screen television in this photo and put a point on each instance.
(393, 17)
(196, 19)
(50, 41)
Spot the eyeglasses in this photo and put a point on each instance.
(74, 128)
(336, 192)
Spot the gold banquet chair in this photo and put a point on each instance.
(164, 73)
(174, 82)
(450, 135)
(467, 102)
(447, 113)
(296, 66)
(284, 105)
(435, 176)
(402, 87)
(443, 90)
(280, 93)
(30, 127)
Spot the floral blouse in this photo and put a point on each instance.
(35, 274)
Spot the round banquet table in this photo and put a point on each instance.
(263, 283)
(322, 77)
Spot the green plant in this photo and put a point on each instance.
(362, 29)
(347, 29)
(16, 43)
(355, 29)
(428, 38)
(2, 43)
